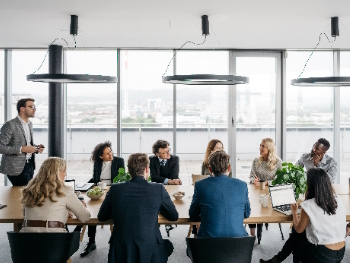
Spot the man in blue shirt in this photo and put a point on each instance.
(220, 203)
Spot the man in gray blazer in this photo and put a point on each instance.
(17, 147)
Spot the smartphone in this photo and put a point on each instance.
(2, 206)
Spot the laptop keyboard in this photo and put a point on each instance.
(284, 208)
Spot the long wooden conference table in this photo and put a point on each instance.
(13, 213)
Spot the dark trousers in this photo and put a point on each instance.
(25, 176)
(253, 225)
(304, 251)
(91, 232)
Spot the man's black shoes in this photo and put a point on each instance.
(88, 248)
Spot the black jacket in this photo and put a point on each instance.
(134, 207)
(116, 164)
(171, 167)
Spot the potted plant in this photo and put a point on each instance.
(291, 174)
(123, 176)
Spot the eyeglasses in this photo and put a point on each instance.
(165, 153)
(32, 106)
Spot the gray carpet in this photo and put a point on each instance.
(271, 243)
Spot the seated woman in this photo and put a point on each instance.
(106, 167)
(47, 200)
(319, 234)
(213, 146)
(264, 167)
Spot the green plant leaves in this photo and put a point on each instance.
(123, 177)
(291, 174)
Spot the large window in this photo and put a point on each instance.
(255, 108)
(1, 100)
(344, 120)
(201, 111)
(147, 103)
(91, 108)
(309, 113)
(26, 62)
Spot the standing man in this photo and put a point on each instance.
(17, 147)
(319, 159)
(220, 203)
(134, 207)
(164, 167)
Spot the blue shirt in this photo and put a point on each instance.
(220, 203)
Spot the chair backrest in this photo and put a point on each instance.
(42, 247)
(221, 249)
(198, 177)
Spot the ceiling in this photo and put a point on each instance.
(249, 24)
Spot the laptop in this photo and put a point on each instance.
(83, 187)
(282, 196)
(70, 182)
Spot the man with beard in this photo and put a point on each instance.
(319, 159)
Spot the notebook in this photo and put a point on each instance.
(282, 196)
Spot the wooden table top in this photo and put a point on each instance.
(10, 195)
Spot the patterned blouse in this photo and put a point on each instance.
(262, 171)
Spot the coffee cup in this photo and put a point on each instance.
(102, 185)
(81, 198)
(264, 200)
(262, 184)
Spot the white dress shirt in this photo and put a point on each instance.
(27, 135)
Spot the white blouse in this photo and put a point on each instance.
(106, 172)
(323, 228)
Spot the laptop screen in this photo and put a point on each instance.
(282, 195)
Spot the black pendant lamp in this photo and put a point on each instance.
(324, 81)
(205, 79)
(59, 77)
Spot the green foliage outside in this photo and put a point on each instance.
(294, 174)
(123, 176)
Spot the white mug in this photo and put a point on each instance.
(264, 200)
(102, 185)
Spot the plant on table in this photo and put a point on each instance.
(123, 176)
(291, 174)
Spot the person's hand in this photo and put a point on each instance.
(83, 202)
(28, 149)
(70, 214)
(174, 181)
(317, 159)
(40, 148)
(256, 181)
(294, 208)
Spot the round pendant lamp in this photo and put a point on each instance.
(203, 79)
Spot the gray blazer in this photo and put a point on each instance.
(12, 138)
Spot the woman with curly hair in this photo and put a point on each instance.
(213, 146)
(264, 167)
(106, 167)
(47, 199)
(318, 233)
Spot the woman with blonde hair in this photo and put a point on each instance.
(264, 167)
(46, 199)
(213, 146)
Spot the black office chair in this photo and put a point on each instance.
(220, 249)
(42, 247)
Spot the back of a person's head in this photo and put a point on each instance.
(219, 162)
(319, 186)
(137, 164)
(45, 183)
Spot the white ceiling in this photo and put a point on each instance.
(249, 24)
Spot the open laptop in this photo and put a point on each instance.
(70, 182)
(282, 196)
(83, 187)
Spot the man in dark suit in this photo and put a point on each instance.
(220, 203)
(106, 167)
(134, 208)
(164, 167)
(17, 147)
